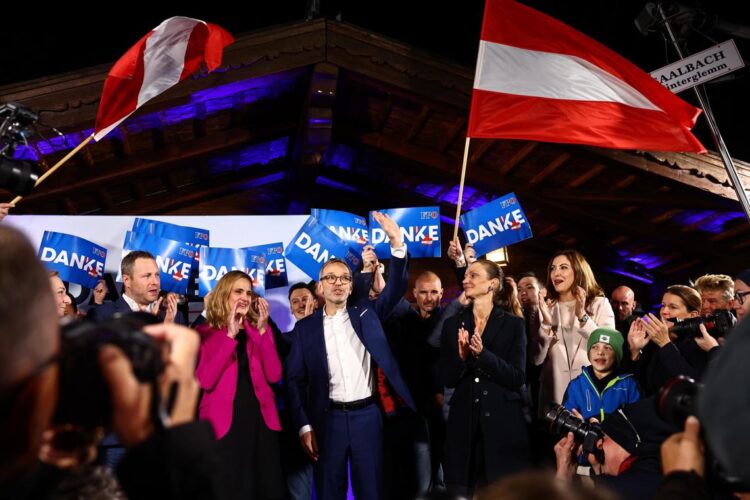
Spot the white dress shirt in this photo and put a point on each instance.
(350, 374)
(134, 305)
(349, 363)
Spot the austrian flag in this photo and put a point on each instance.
(167, 55)
(539, 79)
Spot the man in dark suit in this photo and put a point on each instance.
(332, 371)
(140, 291)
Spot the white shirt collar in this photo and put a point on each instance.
(340, 313)
(134, 306)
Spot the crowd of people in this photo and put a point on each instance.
(425, 399)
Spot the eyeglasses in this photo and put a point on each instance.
(740, 297)
(332, 278)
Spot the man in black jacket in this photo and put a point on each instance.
(140, 291)
(631, 466)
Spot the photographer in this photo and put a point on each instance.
(657, 354)
(175, 462)
(628, 461)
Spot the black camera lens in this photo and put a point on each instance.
(561, 422)
(17, 176)
(717, 324)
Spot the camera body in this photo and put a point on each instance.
(561, 421)
(718, 323)
(84, 396)
(677, 400)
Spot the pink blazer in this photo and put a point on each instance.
(217, 375)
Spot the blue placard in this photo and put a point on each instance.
(351, 228)
(275, 264)
(496, 224)
(77, 260)
(174, 258)
(420, 227)
(185, 234)
(314, 244)
(216, 262)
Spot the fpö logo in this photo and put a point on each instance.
(90, 265)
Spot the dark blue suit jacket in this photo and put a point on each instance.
(307, 364)
(109, 309)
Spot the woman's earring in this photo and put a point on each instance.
(489, 289)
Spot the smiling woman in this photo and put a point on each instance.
(236, 364)
(574, 307)
(483, 355)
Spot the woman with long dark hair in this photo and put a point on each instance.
(237, 362)
(572, 306)
(483, 355)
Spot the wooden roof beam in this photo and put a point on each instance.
(586, 176)
(550, 169)
(518, 157)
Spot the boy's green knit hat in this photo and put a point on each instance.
(607, 336)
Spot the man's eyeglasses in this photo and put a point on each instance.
(740, 297)
(332, 278)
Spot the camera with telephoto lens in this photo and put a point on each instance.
(84, 403)
(718, 323)
(561, 422)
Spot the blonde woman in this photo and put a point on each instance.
(237, 362)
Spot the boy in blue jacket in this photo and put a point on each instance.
(602, 388)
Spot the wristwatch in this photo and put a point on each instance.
(584, 318)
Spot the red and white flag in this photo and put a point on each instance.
(541, 80)
(168, 54)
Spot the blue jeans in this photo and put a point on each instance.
(299, 482)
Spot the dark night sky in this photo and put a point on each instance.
(56, 42)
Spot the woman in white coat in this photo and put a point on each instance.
(572, 306)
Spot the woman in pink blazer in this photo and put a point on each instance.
(237, 362)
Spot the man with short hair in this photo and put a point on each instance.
(717, 292)
(741, 300)
(414, 440)
(140, 291)
(297, 467)
(623, 303)
(302, 302)
(332, 370)
(62, 300)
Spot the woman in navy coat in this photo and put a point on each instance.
(483, 355)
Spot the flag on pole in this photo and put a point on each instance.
(539, 79)
(167, 55)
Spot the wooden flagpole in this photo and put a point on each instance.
(461, 190)
(57, 165)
